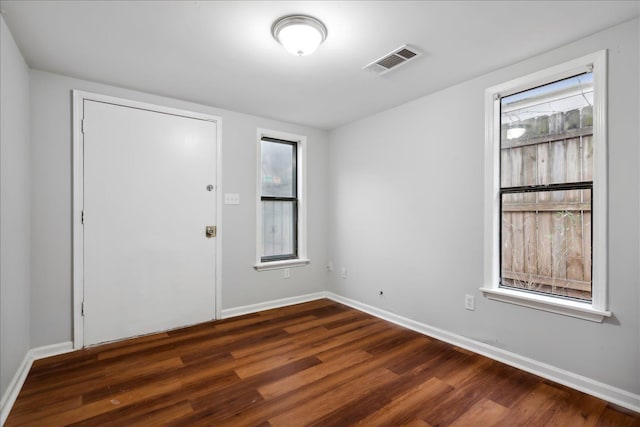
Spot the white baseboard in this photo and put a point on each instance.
(11, 394)
(587, 385)
(268, 305)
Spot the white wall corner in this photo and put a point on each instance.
(578, 382)
(11, 394)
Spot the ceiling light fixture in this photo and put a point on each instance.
(299, 34)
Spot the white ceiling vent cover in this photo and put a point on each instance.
(393, 60)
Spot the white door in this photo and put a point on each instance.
(148, 264)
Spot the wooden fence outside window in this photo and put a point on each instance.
(546, 235)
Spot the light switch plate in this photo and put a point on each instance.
(231, 198)
(469, 302)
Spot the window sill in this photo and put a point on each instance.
(274, 265)
(576, 309)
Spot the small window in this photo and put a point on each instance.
(279, 200)
(548, 203)
(281, 207)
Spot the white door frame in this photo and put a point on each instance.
(78, 198)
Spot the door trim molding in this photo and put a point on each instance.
(78, 197)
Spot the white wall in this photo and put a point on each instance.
(15, 203)
(407, 218)
(51, 292)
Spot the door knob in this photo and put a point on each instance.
(210, 231)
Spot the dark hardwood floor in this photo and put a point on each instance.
(318, 363)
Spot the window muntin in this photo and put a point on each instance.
(546, 184)
(279, 200)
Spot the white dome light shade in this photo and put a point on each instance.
(300, 35)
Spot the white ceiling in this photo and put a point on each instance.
(222, 53)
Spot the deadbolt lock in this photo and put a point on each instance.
(210, 231)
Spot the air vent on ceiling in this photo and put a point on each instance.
(392, 60)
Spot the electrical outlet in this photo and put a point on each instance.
(343, 272)
(469, 302)
(231, 198)
(287, 273)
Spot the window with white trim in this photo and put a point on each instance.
(281, 213)
(545, 214)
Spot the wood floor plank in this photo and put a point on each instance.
(534, 409)
(369, 333)
(613, 418)
(322, 321)
(301, 337)
(355, 331)
(35, 394)
(416, 422)
(162, 415)
(338, 397)
(272, 338)
(298, 308)
(298, 397)
(325, 343)
(262, 323)
(312, 374)
(419, 356)
(378, 397)
(465, 394)
(238, 397)
(150, 413)
(485, 413)
(402, 410)
(517, 385)
(112, 402)
(273, 374)
(33, 415)
(315, 364)
(119, 381)
(460, 376)
(141, 368)
(581, 411)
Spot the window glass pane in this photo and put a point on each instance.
(277, 169)
(278, 228)
(546, 134)
(546, 242)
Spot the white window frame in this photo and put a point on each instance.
(301, 166)
(597, 309)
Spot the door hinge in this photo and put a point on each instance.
(82, 309)
(82, 217)
(82, 126)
